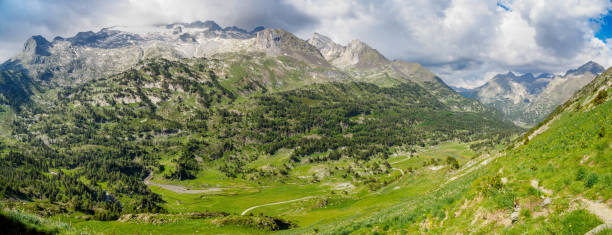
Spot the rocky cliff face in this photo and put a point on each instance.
(355, 55)
(88, 55)
(527, 99)
(280, 42)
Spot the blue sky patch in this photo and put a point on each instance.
(605, 31)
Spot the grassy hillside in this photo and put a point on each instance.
(216, 136)
(556, 180)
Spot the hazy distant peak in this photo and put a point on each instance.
(590, 66)
(545, 75)
(508, 74)
(209, 24)
(257, 29)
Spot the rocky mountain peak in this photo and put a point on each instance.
(281, 42)
(106, 38)
(271, 38)
(209, 25)
(526, 98)
(37, 45)
(545, 75)
(321, 41)
(589, 67)
(188, 31)
(91, 54)
(508, 75)
(329, 49)
(356, 54)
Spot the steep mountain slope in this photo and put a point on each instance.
(527, 99)
(366, 64)
(15, 88)
(556, 180)
(560, 89)
(548, 182)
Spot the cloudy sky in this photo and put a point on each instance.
(463, 41)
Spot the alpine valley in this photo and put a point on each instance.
(192, 128)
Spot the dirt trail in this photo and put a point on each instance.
(398, 169)
(177, 188)
(536, 184)
(276, 203)
(471, 166)
(403, 160)
(602, 211)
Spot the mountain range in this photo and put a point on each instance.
(527, 99)
(198, 128)
(68, 62)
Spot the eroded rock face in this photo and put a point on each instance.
(329, 49)
(87, 55)
(280, 42)
(356, 54)
(37, 45)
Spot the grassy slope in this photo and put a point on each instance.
(136, 123)
(572, 158)
(18, 222)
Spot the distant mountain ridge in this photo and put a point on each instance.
(527, 99)
(68, 62)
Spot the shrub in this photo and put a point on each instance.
(260, 222)
(591, 180)
(452, 162)
(105, 215)
(601, 97)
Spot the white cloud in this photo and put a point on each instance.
(465, 41)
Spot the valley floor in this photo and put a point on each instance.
(312, 205)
